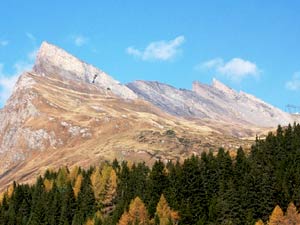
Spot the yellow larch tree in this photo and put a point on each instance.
(137, 214)
(74, 173)
(259, 222)
(96, 182)
(62, 177)
(77, 185)
(10, 190)
(1, 197)
(292, 216)
(104, 183)
(277, 217)
(164, 212)
(109, 193)
(48, 184)
(89, 222)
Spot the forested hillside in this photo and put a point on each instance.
(211, 189)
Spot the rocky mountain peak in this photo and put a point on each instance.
(199, 87)
(51, 60)
(55, 62)
(222, 87)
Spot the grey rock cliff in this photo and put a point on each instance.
(215, 102)
(54, 61)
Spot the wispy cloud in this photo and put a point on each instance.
(294, 83)
(235, 69)
(210, 64)
(158, 50)
(80, 40)
(3, 43)
(32, 55)
(6, 84)
(7, 81)
(30, 36)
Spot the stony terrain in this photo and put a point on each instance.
(57, 116)
(215, 102)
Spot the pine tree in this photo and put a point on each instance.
(157, 183)
(38, 213)
(86, 203)
(62, 178)
(68, 205)
(54, 206)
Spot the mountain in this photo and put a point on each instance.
(60, 113)
(215, 102)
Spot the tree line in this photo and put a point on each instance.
(207, 189)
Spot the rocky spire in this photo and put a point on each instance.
(222, 87)
(54, 61)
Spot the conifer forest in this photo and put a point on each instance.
(260, 186)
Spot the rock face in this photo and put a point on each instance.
(55, 62)
(216, 102)
(58, 69)
(58, 116)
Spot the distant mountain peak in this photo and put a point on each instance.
(222, 87)
(216, 101)
(52, 60)
(55, 62)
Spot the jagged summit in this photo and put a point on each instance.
(57, 115)
(216, 102)
(56, 62)
(222, 87)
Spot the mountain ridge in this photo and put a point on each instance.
(58, 116)
(216, 101)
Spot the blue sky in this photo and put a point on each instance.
(249, 45)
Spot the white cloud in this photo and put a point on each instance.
(7, 81)
(210, 64)
(159, 50)
(3, 43)
(30, 36)
(80, 40)
(32, 55)
(294, 83)
(235, 69)
(6, 84)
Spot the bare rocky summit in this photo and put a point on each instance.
(215, 102)
(55, 62)
(58, 116)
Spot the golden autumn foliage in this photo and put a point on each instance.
(110, 189)
(10, 190)
(96, 182)
(74, 173)
(98, 215)
(259, 222)
(104, 184)
(62, 177)
(1, 197)
(48, 184)
(276, 217)
(291, 217)
(93, 221)
(137, 214)
(77, 185)
(89, 222)
(164, 212)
